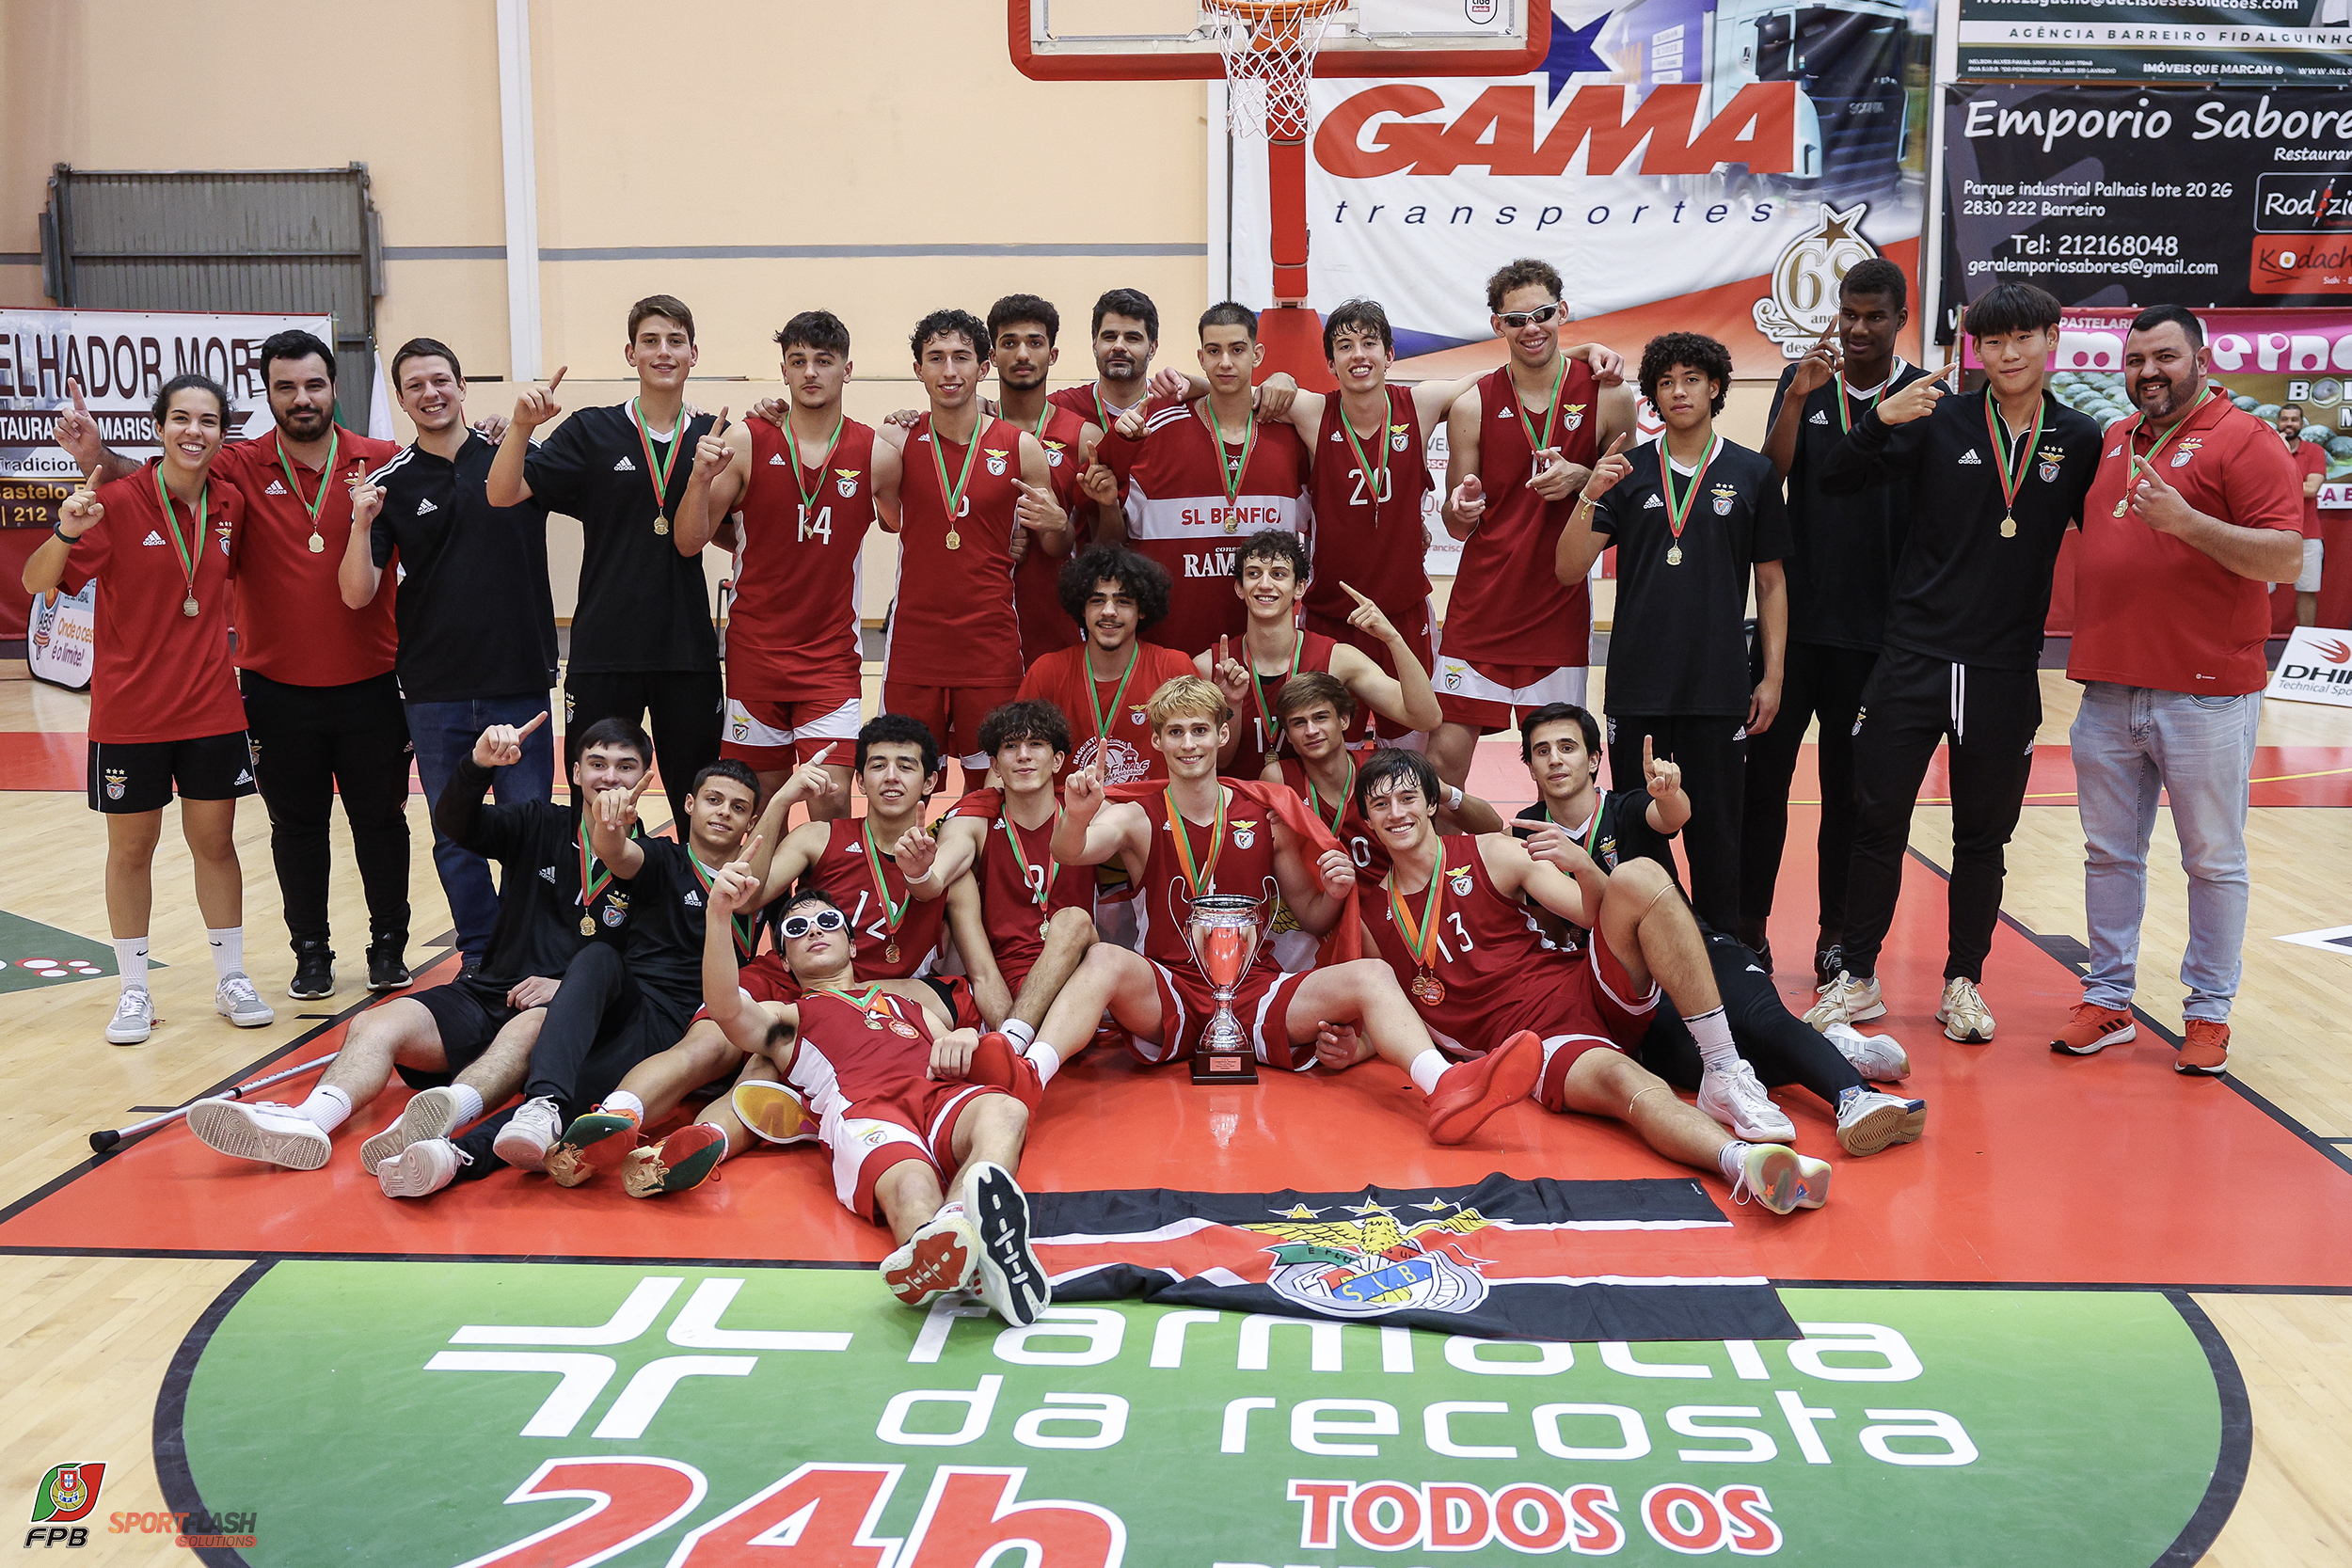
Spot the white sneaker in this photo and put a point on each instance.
(135, 1017)
(1872, 1121)
(422, 1169)
(1781, 1179)
(1845, 1000)
(263, 1129)
(1880, 1059)
(429, 1114)
(1736, 1099)
(241, 1004)
(941, 1256)
(1963, 1014)
(524, 1142)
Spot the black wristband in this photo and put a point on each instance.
(58, 528)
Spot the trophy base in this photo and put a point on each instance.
(1223, 1057)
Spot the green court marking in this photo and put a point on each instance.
(361, 1411)
(33, 955)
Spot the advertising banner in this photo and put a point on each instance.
(60, 636)
(122, 359)
(2271, 42)
(1704, 164)
(2317, 667)
(2107, 197)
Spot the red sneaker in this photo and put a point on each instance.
(996, 1062)
(2205, 1050)
(1469, 1092)
(2091, 1029)
(679, 1162)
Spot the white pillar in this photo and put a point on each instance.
(522, 190)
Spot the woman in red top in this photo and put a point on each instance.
(164, 711)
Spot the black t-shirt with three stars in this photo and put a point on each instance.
(642, 606)
(1680, 643)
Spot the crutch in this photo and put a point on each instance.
(104, 1141)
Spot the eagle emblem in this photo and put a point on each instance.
(1459, 876)
(1372, 1265)
(845, 482)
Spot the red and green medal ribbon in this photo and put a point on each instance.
(1678, 511)
(809, 493)
(1232, 471)
(1102, 724)
(2131, 474)
(953, 495)
(592, 882)
(1551, 415)
(1592, 828)
(189, 551)
(334, 445)
(1379, 481)
(1421, 938)
(1266, 709)
(1199, 879)
(1347, 792)
(746, 929)
(2011, 465)
(1844, 413)
(892, 913)
(657, 468)
(1044, 894)
(870, 1004)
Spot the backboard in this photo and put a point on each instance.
(1060, 41)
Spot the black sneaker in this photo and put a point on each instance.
(314, 971)
(1011, 1281)
(1829, 963)
(388, 969)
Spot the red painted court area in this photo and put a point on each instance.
(2034, 1167)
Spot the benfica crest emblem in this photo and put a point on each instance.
(1459, 877)
(1572, 417)
(2186, 449)
(996, 456)
(1244, 834)
(2052, 461)
(1399, 438)
(1053, 454)
(1725, 495)
(845, 483)
(1375, 1265)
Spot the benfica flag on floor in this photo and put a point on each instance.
(1497, 1260)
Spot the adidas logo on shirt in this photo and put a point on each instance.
(153, 538)
(776, 461)
(277, 487)
(547, 874)
(426, 506)
(1652, 501)
(1969, 457)
(623, 466)
(1821, 416)
(693, 899)
(244, 775)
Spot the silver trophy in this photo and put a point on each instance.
(1222, 931)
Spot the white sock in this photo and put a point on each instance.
(951, 1210)
(1045, 1059)
(1712, 1031)
(1427, 1069)
(470, 1105)
(131, 958)
(1019, 1032)
(228, 949)
(621, 1099)
(328, 1106)
(1729, 1157)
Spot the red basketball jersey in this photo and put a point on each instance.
(1368, 527)
(793, 623)
(1257, 730)
(847, 1054)
(1500, 977)
(1105, 720)
(1508, 607)
(1178, 515)
(953, 621)
(1355, 834)
(1245, 866)
(1037, 582)
(1008, 906)
(847, 877)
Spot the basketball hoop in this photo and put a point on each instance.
(1270, 48)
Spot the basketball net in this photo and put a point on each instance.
(1270, 48)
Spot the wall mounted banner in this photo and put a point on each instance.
(2121, 196)
(1707, 165)
(2281, 43)
(122, 359)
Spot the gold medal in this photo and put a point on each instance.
(2123, 506)
(890, 953)
(1674, 555)
(955, 540)
(1040, 928)
(872, 1022)
(318, 545)
(2008, 528)
(1232, 525)
(1428, 988)
(1678, 511)
(587, 925)
(661, 525)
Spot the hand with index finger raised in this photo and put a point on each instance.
(1367, 616)
(536, 405)
(1916, 401)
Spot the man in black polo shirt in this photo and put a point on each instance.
(475, 617)
(642, 640)
(1842, 560)
(462, 1046)
(1997, 477)
(1693, 518)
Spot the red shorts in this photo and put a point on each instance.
(918, 1122)
(1489, 697)
(1608, 1013)
(1262, 1005)
(774, 737)
(951, 713)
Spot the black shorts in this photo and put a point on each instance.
(128, 779)
(469, 1015)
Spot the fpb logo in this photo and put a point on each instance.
(66, 1496)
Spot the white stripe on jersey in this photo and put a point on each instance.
(1200, 519)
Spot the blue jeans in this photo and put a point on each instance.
(444, 734)
(2131, 743)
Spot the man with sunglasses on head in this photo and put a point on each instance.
(1518, 448)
